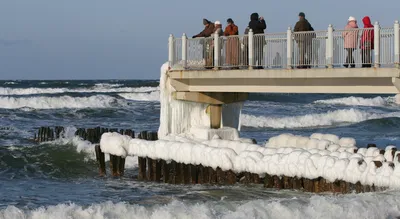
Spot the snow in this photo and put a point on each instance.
(281, 159)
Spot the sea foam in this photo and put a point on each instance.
(371, 205)
(329, 118)
(96, 101)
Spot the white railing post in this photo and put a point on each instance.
(216, 51)
(329, 47)
(184, 51)
(289, 47)
(251, 49)
(171, 51)
(377, 44)
(397, 44)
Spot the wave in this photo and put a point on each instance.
(10, 83)
(67, 157)
(152, 96)
(359, 101)
(107, 85)
(96, 89)
(314, 120)
(97, 101)
(352, 206)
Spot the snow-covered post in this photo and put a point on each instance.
(329, 47)
(251, 49)
(216, 51)
(171, 51)
(184, 51)
(377, 42)
(397, 44)
(289, 47)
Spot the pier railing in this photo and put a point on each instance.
(316, 49)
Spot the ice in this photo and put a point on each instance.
(279, 160)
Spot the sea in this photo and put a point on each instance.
(59, 179)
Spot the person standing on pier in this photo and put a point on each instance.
(208, 51)
(232, 44)
(304, 41)
(350, 36)
(257, 25)
(367, 43)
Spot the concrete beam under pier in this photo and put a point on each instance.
(215, 98)
(365, 80)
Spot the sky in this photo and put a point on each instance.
(128, 39)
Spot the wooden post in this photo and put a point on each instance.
(277, 183)
(296, 183)
(165, 171)
(220, 176)
(186, 174)
(173, 172)
(193, 173)
(200, 174)
(212, 175)
(215, 116)
(230, 177)
(150, 170)
(268, 181)
(101, 160)
(142, 160)
(121, 166)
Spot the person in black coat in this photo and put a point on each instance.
(257, 25)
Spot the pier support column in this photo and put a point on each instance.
(215, 116)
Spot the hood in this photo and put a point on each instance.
(254, 17)
(367, 22)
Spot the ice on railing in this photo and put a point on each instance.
(330, 162)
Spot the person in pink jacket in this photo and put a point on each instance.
(350, 36)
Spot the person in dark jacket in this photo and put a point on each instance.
(257, 25)
(208, 50)
(304, 41)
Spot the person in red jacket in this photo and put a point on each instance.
(232, 44)
(367, 43)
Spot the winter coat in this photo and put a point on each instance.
(258, 26)
(350, 35)
(303, 25)
(218, 29)
(367, 37)
(206, 32)
(231, 30)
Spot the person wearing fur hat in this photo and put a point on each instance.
(350, 36)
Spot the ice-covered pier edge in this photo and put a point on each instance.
(194, 119)
(186, 138)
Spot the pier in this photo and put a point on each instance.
(236, 60)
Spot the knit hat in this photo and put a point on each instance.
(217, 22)
(230, 21)
(301, 14)
(205, 21)
(351, 18)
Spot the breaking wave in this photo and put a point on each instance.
(97, 101)
(352, 206)
(313, 120)
(152, 96)
(359, 101)
(99, 88)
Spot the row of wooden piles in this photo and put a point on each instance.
(179, 173)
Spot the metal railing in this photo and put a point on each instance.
(373, 47)
(309, 49)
